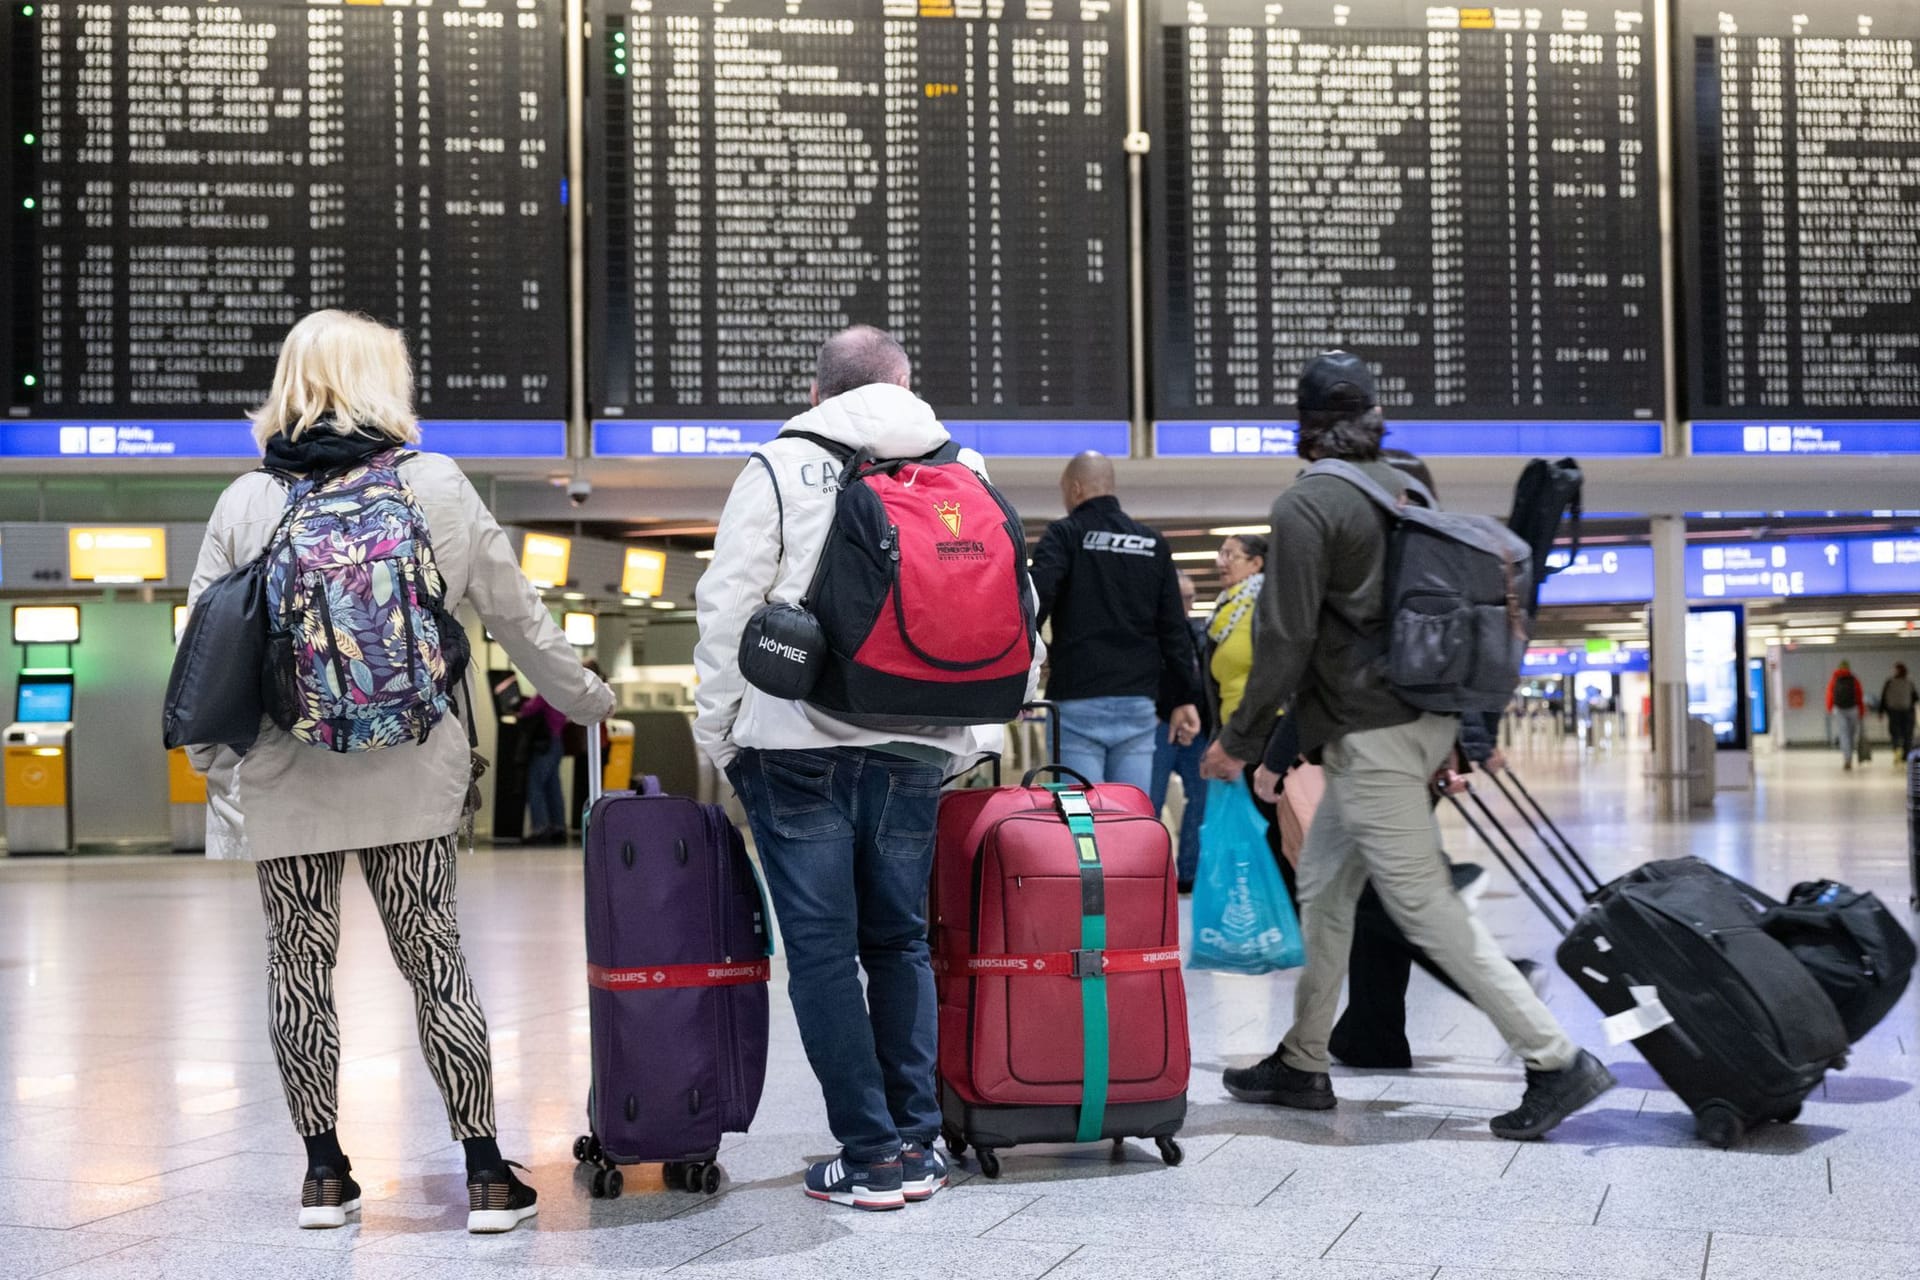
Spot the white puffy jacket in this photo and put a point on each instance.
(748, 570)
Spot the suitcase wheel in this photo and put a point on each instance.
(989, 1163)
(1170, 1152)
(1718, 1125)
(586, 1149)
(607, 1184)
(696, 1176)
(1791, 1114)
(1119, 1152)
(956, 1145)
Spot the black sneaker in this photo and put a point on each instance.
(923, 1171)
(1185, 888)
(497, 1201)
(327, 1197)
(1274, 1082)
(1369, 1056)
(1552, 1096)
(858, 1186)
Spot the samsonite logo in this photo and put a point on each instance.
(735, 971)
(792, 653)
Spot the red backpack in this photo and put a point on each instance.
(921, 596)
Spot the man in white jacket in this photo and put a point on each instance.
(843, 817)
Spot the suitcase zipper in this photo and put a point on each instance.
(729, 1032)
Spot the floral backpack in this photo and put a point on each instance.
(361, 651)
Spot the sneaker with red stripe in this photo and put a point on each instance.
(857, 1185)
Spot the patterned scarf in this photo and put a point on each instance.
(1233, 607)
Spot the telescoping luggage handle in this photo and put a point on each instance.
(1507, 848)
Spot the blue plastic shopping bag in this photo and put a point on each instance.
(1243, 921)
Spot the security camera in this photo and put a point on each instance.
(579, 489)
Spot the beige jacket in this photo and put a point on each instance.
(285, 797)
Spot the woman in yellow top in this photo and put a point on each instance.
(1243, 563)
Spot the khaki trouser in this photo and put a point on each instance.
(1376, 821)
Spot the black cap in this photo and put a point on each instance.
(1337, 380)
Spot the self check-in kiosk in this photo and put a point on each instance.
(39, 763)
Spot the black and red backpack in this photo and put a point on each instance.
(920, 612)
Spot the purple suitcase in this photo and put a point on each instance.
(677, 961)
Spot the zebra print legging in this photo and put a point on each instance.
(413, 885)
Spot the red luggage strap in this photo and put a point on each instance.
(662, 977)
(1062, 964)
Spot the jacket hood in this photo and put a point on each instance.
(890, 420)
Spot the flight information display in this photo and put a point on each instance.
(184, 181)
(1464, 196)
(766, 174)
(1798, 201)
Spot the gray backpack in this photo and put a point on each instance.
(1458, 587)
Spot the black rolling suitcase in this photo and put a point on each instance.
(1676, 956)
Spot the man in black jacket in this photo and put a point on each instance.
(1320, 632)
(1107, 584)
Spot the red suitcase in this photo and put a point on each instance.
(1055, 910)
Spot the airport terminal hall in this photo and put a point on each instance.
(1020, 639)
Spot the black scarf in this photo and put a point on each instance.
(324, 448)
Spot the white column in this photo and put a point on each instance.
(1668, 625)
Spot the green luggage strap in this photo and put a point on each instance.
(1089, 963)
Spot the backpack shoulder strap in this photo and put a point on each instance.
(1372, 488)
(779, 503)
(841, 451)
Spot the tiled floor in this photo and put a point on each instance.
(142, 1132)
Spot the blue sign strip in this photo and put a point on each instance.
(1429, 439)
(231, 438)
(737, 437)
(1855, 566)
(1801, 437)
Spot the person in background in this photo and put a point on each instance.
(546, 801)
(1107, 584)
(1170, 757)
(1242, 561)
(842, 816)
(343, 395)
(1897, 705)
(1322, 615)
(1846, 702)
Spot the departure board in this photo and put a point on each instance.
(1800, 208)
(185, 181)
(768, 172)
(1464, 196)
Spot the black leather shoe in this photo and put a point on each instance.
(1274, 1082)
(1552, 1096)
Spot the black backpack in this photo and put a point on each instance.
(1851, 944)
(1547, 493)
(1457, 592)
(1846, 693)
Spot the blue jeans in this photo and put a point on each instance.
(544, 797)
(1170, 758)
(846, 839)
(1109, 739)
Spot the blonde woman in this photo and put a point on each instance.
(343, 395)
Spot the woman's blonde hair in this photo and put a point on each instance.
(343, 365)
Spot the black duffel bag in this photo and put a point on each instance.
(1851, 944)
(213, 695)
(216, 694)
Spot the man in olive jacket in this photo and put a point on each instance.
(1321, 630)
